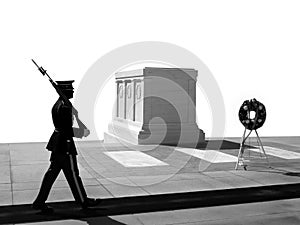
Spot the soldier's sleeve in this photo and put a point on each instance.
(66, 119)
(77, 132)
(68, 123)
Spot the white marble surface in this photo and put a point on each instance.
(134, 159)
(212, 156)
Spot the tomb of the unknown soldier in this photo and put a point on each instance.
(155, 106)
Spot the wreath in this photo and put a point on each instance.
(260, 114)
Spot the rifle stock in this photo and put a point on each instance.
(62, 95)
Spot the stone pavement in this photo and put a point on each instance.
(112, 171)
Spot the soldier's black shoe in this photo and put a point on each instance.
(90, 202)
(43, 208)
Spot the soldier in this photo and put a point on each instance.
(63, 154)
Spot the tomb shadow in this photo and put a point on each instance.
(212, 145)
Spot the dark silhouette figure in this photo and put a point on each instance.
(63, 153)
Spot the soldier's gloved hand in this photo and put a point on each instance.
(86, 132)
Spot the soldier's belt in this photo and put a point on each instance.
(58, 130)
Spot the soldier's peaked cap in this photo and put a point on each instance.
(65, 84)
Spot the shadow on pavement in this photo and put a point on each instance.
(293, 174)
(100, 220)
(152, 203)
(218, 144)
(214, 145)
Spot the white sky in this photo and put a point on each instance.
(251, 47)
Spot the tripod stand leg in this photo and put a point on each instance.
(241, 151)
(262, 148)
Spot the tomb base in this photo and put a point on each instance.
(188, 135)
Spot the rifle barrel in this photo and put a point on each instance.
(35, 63)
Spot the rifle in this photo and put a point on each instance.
(62, 95)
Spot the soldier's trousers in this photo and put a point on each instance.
(68, 164)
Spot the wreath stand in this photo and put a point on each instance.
(241, 161)
(251, 124)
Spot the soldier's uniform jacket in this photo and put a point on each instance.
(61, 141)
